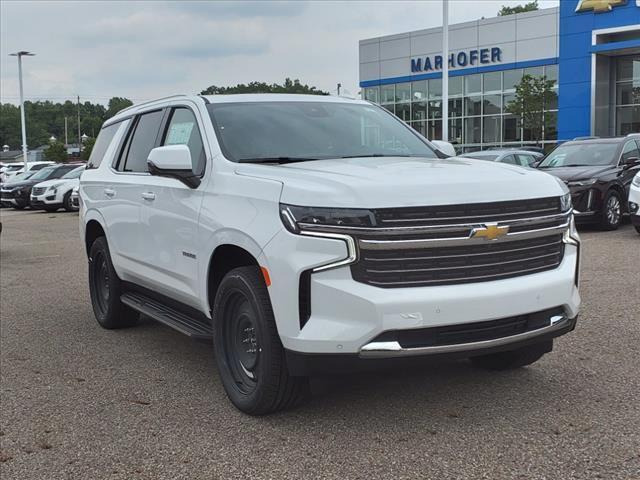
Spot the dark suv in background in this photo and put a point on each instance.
(598, 172)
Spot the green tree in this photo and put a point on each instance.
(56, 152)
(115, 105)
(289, 86)
(87, 148)
(533, 93)
(527, 7)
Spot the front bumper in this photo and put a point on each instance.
(346, 316)
(46, 199)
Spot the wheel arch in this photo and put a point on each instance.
(93, 228)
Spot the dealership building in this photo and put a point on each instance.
(590, 49)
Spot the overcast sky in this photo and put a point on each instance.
(143, 50)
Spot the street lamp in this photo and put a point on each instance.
(21, 54)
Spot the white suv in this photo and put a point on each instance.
(303, 234)
(52, 195)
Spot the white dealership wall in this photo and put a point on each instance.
(525, 39)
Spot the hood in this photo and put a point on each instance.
(56, 181)
(375, 182)
(23, 183)
(569, 174)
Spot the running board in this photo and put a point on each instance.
(171, 317)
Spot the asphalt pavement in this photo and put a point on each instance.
(80, 402)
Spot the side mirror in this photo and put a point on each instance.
(536, 164)
(631, 162)
(444, 147)
(173, 161)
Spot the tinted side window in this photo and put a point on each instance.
(37, 167)
(183, 130)
(141, 143)
(630, 150)
(60, 171)
(102, 143)
(510, 159)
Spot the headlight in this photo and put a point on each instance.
(582, 183)
(295, 217)
(636, 181)
(565, 202)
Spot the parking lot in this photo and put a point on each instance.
(81, 402)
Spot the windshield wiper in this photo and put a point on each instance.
(375, 155)
(276, 159)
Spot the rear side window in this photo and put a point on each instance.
(630, 150)
(525, 160)
(183, 130)
(141, 142)
(510, 159)
(102, 143)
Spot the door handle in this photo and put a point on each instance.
(149, 196)
(109, 192)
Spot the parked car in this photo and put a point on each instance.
(14, 180)
(18, 194)
(634, 202)
(513, 157)
(598, 172)
(17, 168)
(278, 229)
(52, 195)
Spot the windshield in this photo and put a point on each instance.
(22, 176)
(582, 154)
(75, 173)
(43, 174)
(298, 131)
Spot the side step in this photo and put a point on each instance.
(192, 327)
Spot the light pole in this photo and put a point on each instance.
(21, 54)
(445, 70)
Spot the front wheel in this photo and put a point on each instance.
(520, 357)
(249, 354)
(611, 215)
(66, 202)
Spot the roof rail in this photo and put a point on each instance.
(150, 101)
(587, 137)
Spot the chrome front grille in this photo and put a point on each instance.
(458, 264)
(456, 244)
(38, 190)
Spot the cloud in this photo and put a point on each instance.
(148, 49)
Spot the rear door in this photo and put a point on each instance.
(170, 214)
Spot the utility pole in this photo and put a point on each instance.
(339, 85)
(79, 139)
(445, 70)
(21, 54)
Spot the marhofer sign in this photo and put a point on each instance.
(481, 56)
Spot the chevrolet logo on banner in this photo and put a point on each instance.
(598, 6)
(490, 231)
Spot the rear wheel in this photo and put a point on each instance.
(611, 215)
(514, 358)
(105, 289)
(249, 354)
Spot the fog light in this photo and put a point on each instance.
(633, 207)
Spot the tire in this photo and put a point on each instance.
(249, 354)
(637, 227)
(514, 358)
(105, 289)
(66, 202)
(19, 206)
(50, 209)
(611, 214)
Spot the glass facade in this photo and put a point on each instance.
(478, 117)
(628, 95)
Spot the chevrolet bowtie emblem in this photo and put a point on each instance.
(598, 5)
(490, 231)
